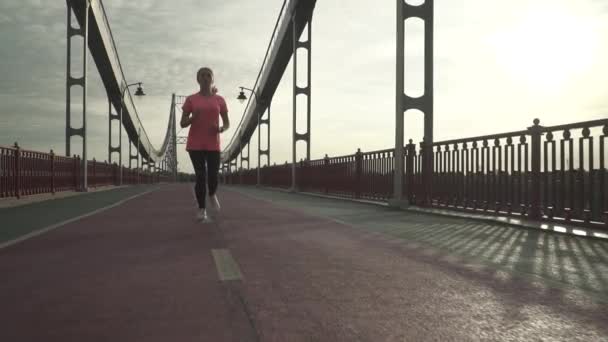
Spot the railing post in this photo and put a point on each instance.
(114, 169)
(79, 182)
(409, 170)
(52, 172)
(17, 170)
(301, 181)
(74, 168)
(358, 172)
(326, 167)
(535, 205)
(94, 181)
(427, 172)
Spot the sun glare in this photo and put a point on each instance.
(547, 47)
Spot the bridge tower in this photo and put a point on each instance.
(82, 31)
(423, 103)
(307, 45)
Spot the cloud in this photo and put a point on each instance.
(163, 43)
(4, 19)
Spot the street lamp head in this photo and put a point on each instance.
(242, 96)
(139, 91)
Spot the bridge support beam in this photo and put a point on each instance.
(297, 44)
(143, 169)
(423, 103)
(112, 117)
(174, 139)
(82, 31)
(244, 159)
(233, 166)
(138, 146)
(133, 156)
(263, 152)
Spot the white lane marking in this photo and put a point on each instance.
(227, 268)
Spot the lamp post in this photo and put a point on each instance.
(242, 99)
(138, 92)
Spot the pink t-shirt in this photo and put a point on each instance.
(204, 131)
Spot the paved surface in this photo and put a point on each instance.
(11, 202)
(285, 267)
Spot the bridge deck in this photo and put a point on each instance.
(283, 267)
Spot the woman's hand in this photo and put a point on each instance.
(219, 129)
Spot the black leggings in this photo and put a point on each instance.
(205, 163)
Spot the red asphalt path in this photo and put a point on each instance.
(143, 271)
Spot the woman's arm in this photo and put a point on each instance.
(187, 119)
(225, 121)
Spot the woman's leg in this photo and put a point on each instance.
(213, 168)
(198, 162)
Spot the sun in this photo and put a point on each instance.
(547, 47)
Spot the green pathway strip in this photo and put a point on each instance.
(19, 221)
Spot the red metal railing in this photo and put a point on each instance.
(534, 173)
(361, 175)
(334, 176)
(553, 173)
(24, 172)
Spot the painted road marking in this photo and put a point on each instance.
(227, 268)
(57, 225)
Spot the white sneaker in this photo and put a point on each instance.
(201, 215)
(214, 202)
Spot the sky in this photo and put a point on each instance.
(498, 65)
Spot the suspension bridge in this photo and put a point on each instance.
(494, 237)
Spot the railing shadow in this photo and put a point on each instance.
(566, 273)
